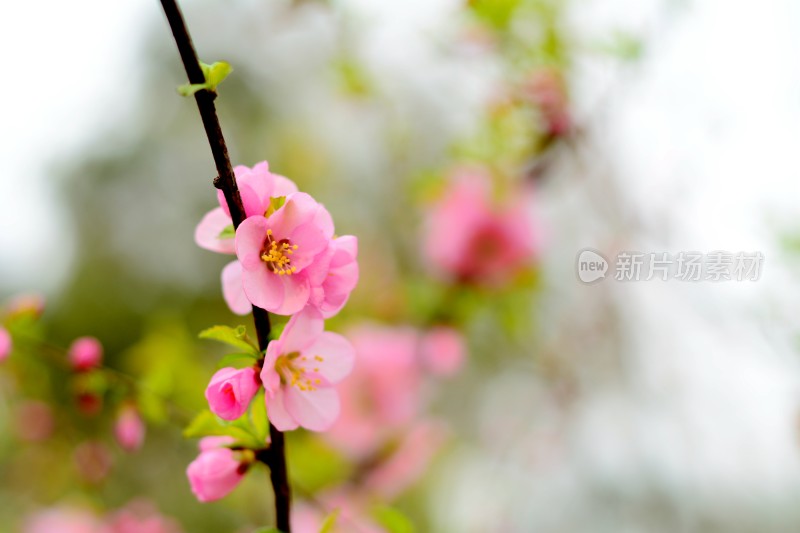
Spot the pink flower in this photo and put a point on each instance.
(257, 186)
(342, 277)
(469, 240)
(300, 369)
(442, 351)
(26, 304)
(34, 420)
(129, 429)
(62, 520)
(408, 463)
(215, 472)
(284, 256)
(230, 392)
(140, 517)
(85, 353)
(383, 394)
(5, 343)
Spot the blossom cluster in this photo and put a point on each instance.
(288, 262)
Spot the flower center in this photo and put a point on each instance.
(276, 254)
(292, 370)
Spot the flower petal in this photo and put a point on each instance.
(337, 356)
(302, 331)
(316, 410)
(278, 415)
(250, 237)
(263, 288)
(206, 235)
(296, 292)
(232, 289)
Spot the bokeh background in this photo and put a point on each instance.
(665, 126)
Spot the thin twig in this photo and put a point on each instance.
(226, 182)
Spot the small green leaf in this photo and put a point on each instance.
(236, 337)
(275, 203)
(214, 75)
(393, 520)
(227, 233)
(258, 416)
(189, 89)
(208, 424)
(238, 360)
(330, 522)
(268, 530)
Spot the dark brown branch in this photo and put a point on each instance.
(226, 182)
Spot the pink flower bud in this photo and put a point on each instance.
(5, 344)
(214, 473)
(129, 429)
(85, 353)
(230, 391)
(442, 351)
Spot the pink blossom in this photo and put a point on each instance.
(300, 369)
(5, 343)
(472, 241)
(285, 255)
(342, 277)
(408, 463)
(232, 289)
(442, 350)
(63, 520)
(140, 517)
(34, 420)
(215, 472)
(257, 186)
(26, 304)
(85, 353)
(230, 391)
(382, 394)
(129, 428)
(93, 460)
(547, 90)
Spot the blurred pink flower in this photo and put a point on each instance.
(408, 463)
(85, 353)
(93, 460)
(332, 294)
(34, 421)
(5, 344)
(382, 394)
(129, 429)
(300, 369)
(216, 471)
(230, 391)
(352, 515)
(285, 255)
(547, 90)
(442, 351)
(470, 240)
(22, 304)
(140, 517)
(63, 520)
(257, 186)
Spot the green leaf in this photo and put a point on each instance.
(268, 530)
(275, 203)
(189, 89)
(236, 337)
(214, 75)
(208, 424)
(238, 360)
(393, 520)
(330, 522)
(258, 416)
(227, 233)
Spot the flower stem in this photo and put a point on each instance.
(226, 182)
